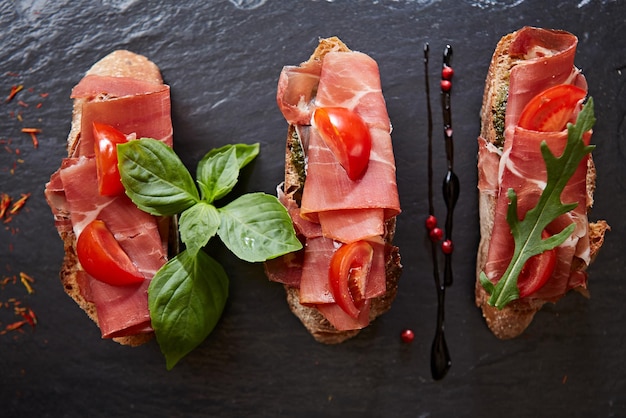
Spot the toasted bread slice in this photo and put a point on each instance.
(512, 320)
(120, 63)
(311, 318)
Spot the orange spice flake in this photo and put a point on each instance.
(27, 281)
(33, 134)
(5, 202)
(26, 314)
(19, 204)
(14, 91)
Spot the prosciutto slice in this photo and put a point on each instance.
(335, 209)
(350, 79)
(136, 231)
(121, 309)
(329, 190)
(132, 106)
(296, 91)
(547, 59)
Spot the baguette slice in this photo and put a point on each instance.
(317, 325)
(120, 63)
(512, 320)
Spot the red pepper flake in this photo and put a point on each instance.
(33, 134)
(44, 95)
(13, 327)
(22, 103)
(29, 316)
(14, 91)
(39, 105)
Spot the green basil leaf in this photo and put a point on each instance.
(245, 153)
(218, 174)
(257, 227)
(198, 224)
(186, 299)
(155, 178)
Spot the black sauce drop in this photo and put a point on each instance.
(440, 360)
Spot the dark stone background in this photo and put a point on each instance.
(222, 60)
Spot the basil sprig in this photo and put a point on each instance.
(187, 295)
(527, 232)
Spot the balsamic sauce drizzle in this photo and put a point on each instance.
(440, 361)
(451, 181)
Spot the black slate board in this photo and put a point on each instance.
(222, 60)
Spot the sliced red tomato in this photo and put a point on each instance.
(106, 140)
(550, 110)
(349, 267)
(536, 271)
(348, 137)
(103, 258)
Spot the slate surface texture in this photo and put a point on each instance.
(222, 59)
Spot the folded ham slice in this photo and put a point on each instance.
(543, 59)
(127, 104)
(134, 106)
(335, 209)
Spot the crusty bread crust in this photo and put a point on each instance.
(311, 318)
(512, 320)
(120, 63)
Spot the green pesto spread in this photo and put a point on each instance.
(297, 161)
(499, 110)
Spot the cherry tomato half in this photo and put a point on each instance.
(106, 139)
(348, 137)
(550, 110)
(349, 267)
(103, 258)
(536, 271)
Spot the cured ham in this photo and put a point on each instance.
(334, 209)
(352, 81)
(136, 107)
(328, 188)
(296, 91)
(122, 310)
(132, 106)
(136, 231)
(546, 59)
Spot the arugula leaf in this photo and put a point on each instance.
(256, 227)
(186, 298)
(155, 178)
(197, 225)
(527, 232)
